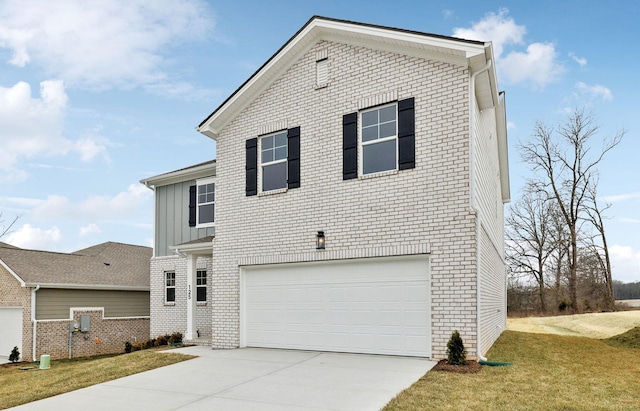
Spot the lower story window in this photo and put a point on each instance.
(201, 286)
(170, 286)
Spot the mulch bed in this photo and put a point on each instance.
(15, 364)
(471, 367)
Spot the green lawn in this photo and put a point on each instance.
(549, 372)
(19, 386)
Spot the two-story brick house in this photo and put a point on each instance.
(359, 187)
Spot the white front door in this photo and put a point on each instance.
(368, 305)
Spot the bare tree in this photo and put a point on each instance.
(6, 229)
(563, 156)
(528, 236)
(596, 217)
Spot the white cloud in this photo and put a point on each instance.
(115, 43)
(32, 127)
(499, 28)
(626, 263)
(511, 125)
(35, 238)
(90, 229)
(580, 60)
(594, 91)
(122, 205)
(448, 14)
(537, 66)
(621, 197)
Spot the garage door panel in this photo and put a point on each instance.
(369, 305)
(11, 334)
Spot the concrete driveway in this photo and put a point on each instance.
(252, 379)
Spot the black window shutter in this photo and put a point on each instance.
(252, 167)
(350, 146)
(293, 157)
(192, 206)
(406, 134)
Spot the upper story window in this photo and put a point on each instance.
(273, 161)
(379, 139)
(206, 202)
(170, 287)
(201, 285)
(202, 201)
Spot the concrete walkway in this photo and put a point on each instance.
(252, 379)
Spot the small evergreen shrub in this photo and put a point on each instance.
(162, 340)
(562, 306)
(128, 347)
(456, 353)
(15, 355)
(149, 344)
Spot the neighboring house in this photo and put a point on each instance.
(104, 288)
(184, 228)
(360, 179)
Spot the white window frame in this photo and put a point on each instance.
(261, 165)
(199, 285)
(201, 182)
(362, 144)
(167, 287)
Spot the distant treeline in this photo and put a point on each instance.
(626, 291)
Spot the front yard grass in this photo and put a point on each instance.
(549, 372)
(19, 386)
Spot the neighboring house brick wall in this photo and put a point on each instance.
(13, 295)
(106, 336)
(428, 204)
(170, 318)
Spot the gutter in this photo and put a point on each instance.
(473, 198)
(34, 321)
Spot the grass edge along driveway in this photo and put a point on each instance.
(23, 386)
(548, 372)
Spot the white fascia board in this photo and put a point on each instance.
(90, 287)
(503, 150)
(192, 173)
(398, 41)
(197, 248)
(13, 273)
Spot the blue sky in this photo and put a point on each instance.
(93, 99)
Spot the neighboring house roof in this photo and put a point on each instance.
(105, 266)
(477, 56)
(206, 169)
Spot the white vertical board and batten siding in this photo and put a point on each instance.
(172, 218)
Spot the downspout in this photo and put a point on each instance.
(473, 198)
(34, 321)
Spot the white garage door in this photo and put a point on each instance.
(10, 330)
(372, 305)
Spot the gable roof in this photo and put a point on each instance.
(206, 169)
(466, 53)
(109, 266)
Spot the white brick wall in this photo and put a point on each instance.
(426, 205)
(170, 318)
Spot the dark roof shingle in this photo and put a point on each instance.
(104, 265)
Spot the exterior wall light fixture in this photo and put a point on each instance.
(320, 240)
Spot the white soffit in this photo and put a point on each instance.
(413, 44)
